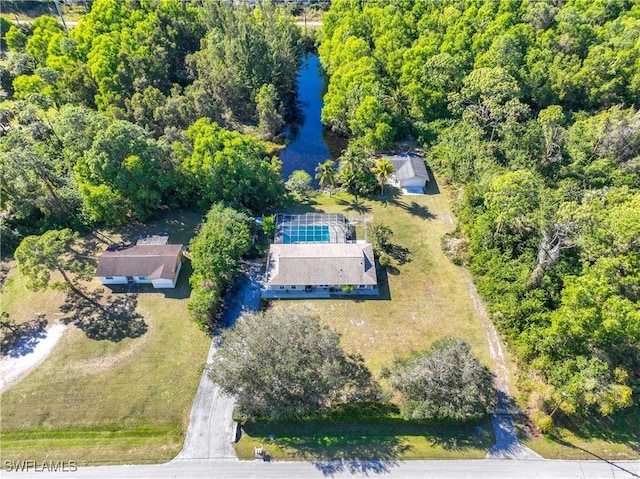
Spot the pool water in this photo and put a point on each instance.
(305, 234)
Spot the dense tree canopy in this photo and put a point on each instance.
(248, 63)
(222, 165)
(123, 175)
(103, 123)
(445, 382)
(287, 366)
(223, 238)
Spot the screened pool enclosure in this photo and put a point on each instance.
(313, 228)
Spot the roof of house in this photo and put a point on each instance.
(153, 239)
(319, 264)
(153, 261)
(409, 166)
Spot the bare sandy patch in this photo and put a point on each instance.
(27, 354)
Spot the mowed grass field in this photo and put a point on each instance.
(424, 299)
(109, 400)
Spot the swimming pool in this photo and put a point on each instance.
(305, 234)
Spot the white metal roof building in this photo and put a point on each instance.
(410, 173)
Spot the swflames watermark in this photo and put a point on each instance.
(30, 465)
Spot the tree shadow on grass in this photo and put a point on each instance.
(356, 206)
(414, 208)
(346, 453)
(18, 340)
(360, 446)
(178, 224)
(421, 211)
(462, 441)
(401, 254)
(392, 270)
(114, 321)
(394, 197)
(375, 455)
(390, 196)
(621, 427)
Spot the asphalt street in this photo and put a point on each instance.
(476, 469)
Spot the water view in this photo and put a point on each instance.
(310, 143)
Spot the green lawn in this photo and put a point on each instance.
(422, 299)
(613, 438)
(104, 401)
(386, 440)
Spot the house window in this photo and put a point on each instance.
(142, 277)
(108, 277)
(281, 287)
(362, 286)
(294, 287)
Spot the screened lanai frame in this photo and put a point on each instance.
(312, 228)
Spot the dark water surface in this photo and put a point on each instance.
(310, 143)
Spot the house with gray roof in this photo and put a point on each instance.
(314, 255)
(410, 173)
(155, 264)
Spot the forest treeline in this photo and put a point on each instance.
(528, 108)
(143, 106)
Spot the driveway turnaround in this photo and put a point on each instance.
(477, 469)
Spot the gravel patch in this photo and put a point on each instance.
(27, 354)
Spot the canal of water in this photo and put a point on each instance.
(309, 142)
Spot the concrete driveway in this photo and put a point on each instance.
(212, 431)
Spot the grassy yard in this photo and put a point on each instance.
(421, 300)
(615, 437)
(125, 398)
(385, 440)
(423, 297)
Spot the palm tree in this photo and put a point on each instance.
(354, 166)
(383, 170)
(326, 175)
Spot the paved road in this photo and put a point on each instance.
(477, 469)
(309, 23)
(211, 429)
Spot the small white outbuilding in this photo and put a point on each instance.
(410, 173)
